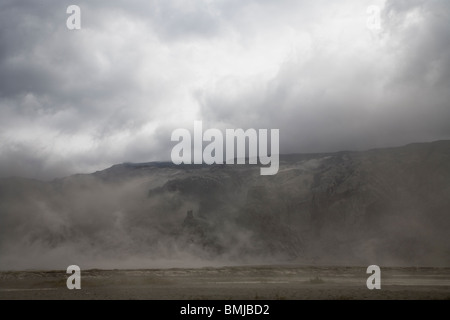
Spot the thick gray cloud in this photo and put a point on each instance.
(79, 101)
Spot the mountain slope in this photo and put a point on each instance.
(383, 206)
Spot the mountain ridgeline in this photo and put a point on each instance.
(382, 206)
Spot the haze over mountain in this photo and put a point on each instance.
(382, 206)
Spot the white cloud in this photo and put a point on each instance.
(136, 70)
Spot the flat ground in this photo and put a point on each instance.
(235, 283)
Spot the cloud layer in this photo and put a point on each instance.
(78, 101)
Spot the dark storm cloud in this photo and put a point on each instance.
(78, 101)
(353, 93)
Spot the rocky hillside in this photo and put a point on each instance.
(384, 206)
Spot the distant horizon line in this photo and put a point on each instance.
(169, 162)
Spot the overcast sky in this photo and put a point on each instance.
(82, 100)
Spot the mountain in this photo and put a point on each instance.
(383, 206)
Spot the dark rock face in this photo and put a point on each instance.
(199, 232)
(387, 206)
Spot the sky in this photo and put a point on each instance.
(77, 101)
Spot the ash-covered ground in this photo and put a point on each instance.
(230, 283)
